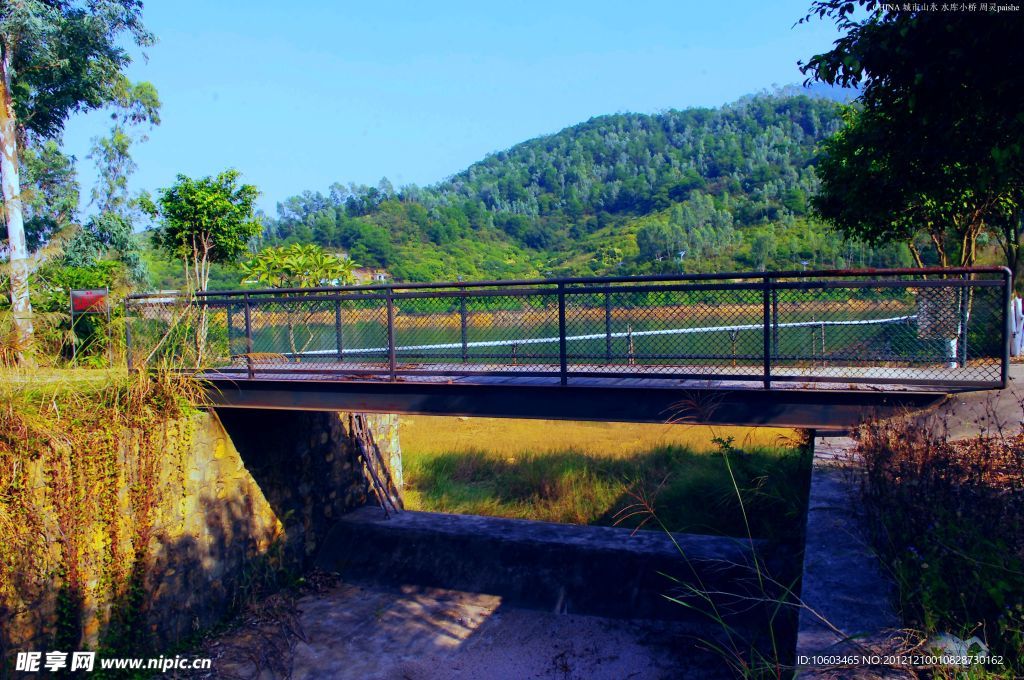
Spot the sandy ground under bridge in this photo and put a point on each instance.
(352, 631)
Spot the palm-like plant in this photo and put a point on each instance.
(298, 266)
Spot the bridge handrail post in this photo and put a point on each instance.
(127, 337)
(464, 330)
(775, 322)
(608, 325)
(563, 363)
(338, 337)
(1004, 377)
(390, 295)
(248, 338)
(766, 317)
(965, 302)
(229, 310)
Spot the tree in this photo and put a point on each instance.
(871, 194)
(1009, 235)
(936, 145)
(204, 221)
(56, 58)
(298, 266)
(112, 228)
(658, 241)
(50, 193)
(762, 249)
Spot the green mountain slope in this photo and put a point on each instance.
(695, 190)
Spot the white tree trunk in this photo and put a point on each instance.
(11, 182)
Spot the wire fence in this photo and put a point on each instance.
(925, 327)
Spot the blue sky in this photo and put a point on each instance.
(302, 94)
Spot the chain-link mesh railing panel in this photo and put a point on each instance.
(840, 329)
(666, 330)
(985, 333)
(427, 332)
(238, 344)
(213, 326)
(520, 330)
(176, 334)
(315, 334)
(946, 330)
(361, 333)
(289, 329)
(494, 330)
(913, 331)
(146, 324)
(168, 334)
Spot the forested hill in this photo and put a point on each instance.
(699, 190)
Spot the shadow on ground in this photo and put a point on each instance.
(352, 631)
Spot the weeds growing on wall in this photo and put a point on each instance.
(78, 458)
(754, 625)
(948, 519)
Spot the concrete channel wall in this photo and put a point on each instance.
(848, 598)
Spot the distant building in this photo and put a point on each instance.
(164, 296)
(371, 275)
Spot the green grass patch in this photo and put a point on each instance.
(690, 491)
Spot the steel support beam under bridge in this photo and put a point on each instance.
(834, 409)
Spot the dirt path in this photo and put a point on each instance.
(350, 631)
(986, 412)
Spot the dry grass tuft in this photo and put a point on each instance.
(88, 431)
(948, 519)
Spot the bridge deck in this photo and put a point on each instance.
(824, 405)
(838, 377)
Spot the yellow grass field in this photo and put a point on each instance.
(426, 435)
(597, 473)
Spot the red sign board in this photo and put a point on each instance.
(86, 301)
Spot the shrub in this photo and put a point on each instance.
(948, 518)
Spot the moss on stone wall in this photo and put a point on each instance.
(130, 520)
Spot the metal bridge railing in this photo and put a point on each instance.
(943, 327)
